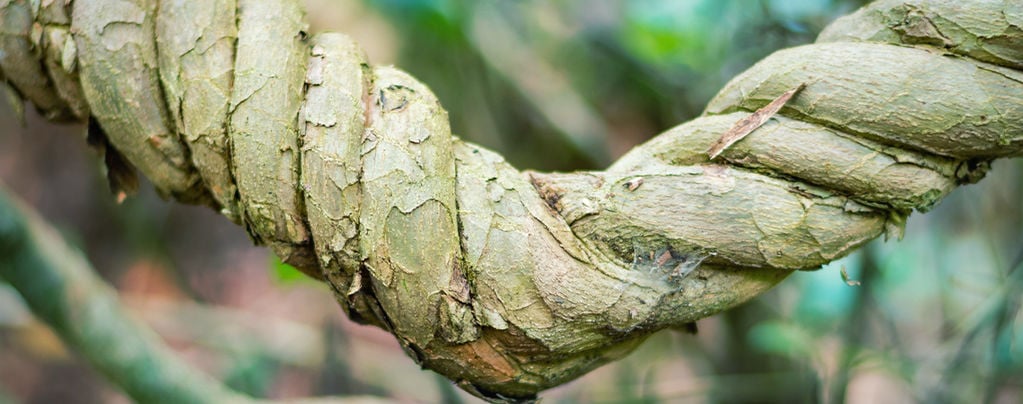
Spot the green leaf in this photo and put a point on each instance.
(284, 274)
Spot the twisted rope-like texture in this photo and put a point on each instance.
(509, 283)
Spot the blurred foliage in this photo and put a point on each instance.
(553, 85)
(619, 71)
(252, 374)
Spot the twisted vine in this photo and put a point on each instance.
(509, 283)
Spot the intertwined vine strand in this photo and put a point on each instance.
(510, 282)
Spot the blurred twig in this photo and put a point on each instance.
(231, 331)
(1007, 310)
(783, 379)
(855, 329)
(546, 88)
(995, 319)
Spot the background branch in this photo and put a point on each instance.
(62, 290)
(59, 286)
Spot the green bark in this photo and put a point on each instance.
(116, 38)
(196, 42)
(946, 106)
(21, 39)
(269, 68)
(334, 116)
(509, 283)
(990, 33)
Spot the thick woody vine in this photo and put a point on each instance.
(506, 282)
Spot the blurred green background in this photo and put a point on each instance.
(552, 85)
